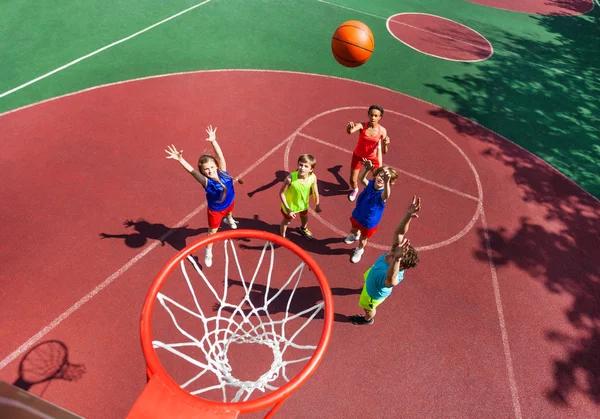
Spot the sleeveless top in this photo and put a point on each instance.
(367, 146)
(298, 193)
(214, 192)
(369, 206)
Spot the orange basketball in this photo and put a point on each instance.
(352, 43)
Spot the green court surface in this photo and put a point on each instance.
(540, 88)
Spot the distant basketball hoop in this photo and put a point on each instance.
(263, 313)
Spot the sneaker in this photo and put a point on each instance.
(352, 238)
(306, 233)
(208, 259)
(360, 320)
(352, 195)
(231, 222)
(358, 252)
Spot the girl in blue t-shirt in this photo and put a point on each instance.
(369, 206)
(217, 183)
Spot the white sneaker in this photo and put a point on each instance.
(231, 222)
(352, 238)
(352, 195)
(208, 259)
(357, 255)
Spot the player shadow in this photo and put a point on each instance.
(303, 298)
(341, 187)
(144, 231)
(330, 188)
(320, 246)
(47, 361)
(280, 176)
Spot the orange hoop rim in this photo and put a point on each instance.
(154, 367)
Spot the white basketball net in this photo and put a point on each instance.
(233, 324)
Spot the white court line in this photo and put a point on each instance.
(422, 179)
(32, 340)
(507, 354)
(8, 92)
(354, 10)
(437, 33)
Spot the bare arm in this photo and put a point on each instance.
(286, 184)
(352, 127)
(368, 165)
(316, 196)
(402, 228)
(379, 154)
(173, 153)
(212, 137)
(391, 276)
(387, 186)
(385, 140)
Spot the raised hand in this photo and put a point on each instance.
(386, 140)
(414, 207)
(367, 163)
(402, 248)
(350, 125)
(172, 153)
(212, 133)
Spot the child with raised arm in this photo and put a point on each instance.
(388, 269)
(372, 143)
(218, 184)
(295, 194)
(369, 206)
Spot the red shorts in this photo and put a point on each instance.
(364, 232)
(286, 215)
(356, 162)
(216, 217)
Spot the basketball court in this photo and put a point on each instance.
(500, 314)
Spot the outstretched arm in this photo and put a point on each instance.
(352, 127)
(387, 186)
(402, 228)
(391, 276)
(172, 153)
(368, 166)
(212, 137)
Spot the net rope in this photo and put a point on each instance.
(232, 324)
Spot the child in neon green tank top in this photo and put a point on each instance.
(295, 195)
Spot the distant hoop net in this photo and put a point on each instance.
(213, 332)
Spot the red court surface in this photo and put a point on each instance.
(439, 37)
(498, 320)
(541, 7)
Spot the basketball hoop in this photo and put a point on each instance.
(253, 320)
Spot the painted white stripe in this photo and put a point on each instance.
(437, 33)
(409, 174)
(432, 246)
(35, 338)
(505, 344)
(91, 54)
(257, 70)
(350, 8)
(387, 24)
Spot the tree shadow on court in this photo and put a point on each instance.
(144, 231)
(45, 362)
(540, 92)
(565, 261)
(303, 298)
(543, 93)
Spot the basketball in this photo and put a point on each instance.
(352, 43)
